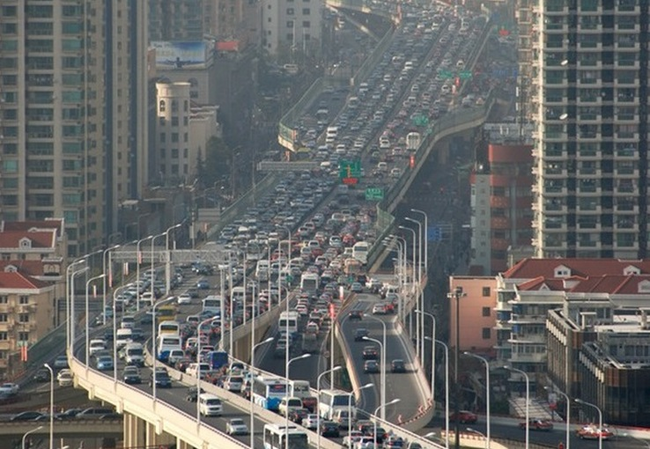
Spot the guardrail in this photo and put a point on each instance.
(67, 427)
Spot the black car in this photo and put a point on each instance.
(162, 378)
(329, 429)
(360, 333)
(355, 315)
(297, 415)
(398, 366)
(193, 394)
(27, 416)
(68, 414)
(371, 366)
(370, 353)
(42, 375)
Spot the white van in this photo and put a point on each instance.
(134, 354)
(332, 131)
(124, 337)
(128, 322)
(96, 345)
(210, 405)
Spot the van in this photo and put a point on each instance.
(134, 354)
(128, 322)
(210, 405)
(123, 337)
(287, 405)
(96, 345)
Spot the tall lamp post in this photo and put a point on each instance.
(153, 268)
(417, 326)
(29, 432)
(116, 293)
(487, 393)
(320, 376)
(71, 312)
(420, 298)
(516, 370)
(350, 396)
(425, 238)
(198, 367)
(154, 343)
(287, 346)
(168, 261)
(382, 406)
(138, 259)
(286, 412)
(568, 416)
(51, 404)
(457, 294)
(433, 351)
(446, 348)
(263, 342)
(88, 282)
(600, 420)
(382, 358)
(110, 276)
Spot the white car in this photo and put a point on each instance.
(184, 298)
(236, 426)
(350, 440)
(64, 378)
(9, 389)
(310, 422)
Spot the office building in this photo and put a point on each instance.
(176, 20)
(73, 113)
(590, 77)
(288, 26)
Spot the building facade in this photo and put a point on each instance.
(590, 74)
(73, 113)
(289, 26)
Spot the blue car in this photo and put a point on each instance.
(203, 285)
(104, 363)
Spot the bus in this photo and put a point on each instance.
(268, 392)
(213, 304)
(166, 312)
(262, 270)
(169, 327)
(166, 343)
(254, 251)
(309, 282)
(237, 295)
(360, 252)
(275, 434)
(300, 389)
(330, 401)
(217, 359)
(288, 322)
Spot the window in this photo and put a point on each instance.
(486, 311)
(290, 11)
(3, 318)
(24, 299)
(4, 299)
(23, 336)
(162, 106)
(306, 11)
(487, 333)
(486, 291)
(174, 121)
(23, 317)
(3, 336)
(306, 24)
(289, 23)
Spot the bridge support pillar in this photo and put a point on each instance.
(243, 348)
(156, 439)
(134, 431)
(180, 444)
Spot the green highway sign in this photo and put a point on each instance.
(420, 120)
(465, 74)
(350, 169)
(374, 194)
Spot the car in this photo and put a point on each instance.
(350, 439)
(9, 389)
(42, 375)
(184, 298)
(234, 384)
(94, 413)
(370, 353)
(193, 292)
(464, 417)
(593, 432)
(193, 393)
(131, 375)
(365, 442)
(297, 415)
(370, 366)
(203, 285)
(68, 414)
(360, 333)
(356, 287)
(379, 309)
(60, 362)
(355, 315)
(27, 416)
(329, 429)
(236, 426)
(398, 366)
(65, 378)
(537, 424)
(104, 363)
(162, 378)
(310, 422)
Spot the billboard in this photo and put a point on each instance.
(287, 137)
(181, 55)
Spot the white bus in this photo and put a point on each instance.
(275, 437)
(262, 270)
(330, 401)
(213, 304)
(360, 252)
(268, 392)
(288, 322)
(166, 343)
(169, 327)
(309, 282)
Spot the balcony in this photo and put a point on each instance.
(589, 191)
(590, 29)
(630, 82)
(627, 28)
(591, 46)
(627, 65)
(520, 318)
(593, 65)
(627, 172)
(590, 226)
(589, 173)
(523, 338)
(528, 358)
(554, 173)
(594, 207)
(554, 191)
(627, 46)
(589, 244)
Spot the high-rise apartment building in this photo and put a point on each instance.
(72, 113)
(289, 26)
(176, 20)
(591, 154)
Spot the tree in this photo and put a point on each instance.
(217, 164)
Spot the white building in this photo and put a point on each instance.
(291, 24)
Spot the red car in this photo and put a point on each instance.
(592, 432)
(464, 417)
(537, 424)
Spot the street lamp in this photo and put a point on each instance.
(420, 298)
(487, 394)
(71, 312)
(198, 366)
(263, 342)
(51, 404)
(457, 294)
(152, 276)
(394, 401)
(568, 415)
(382, 358)
(168, 262)
(417, 326)
(600, 420)
(446, 348)
(154, 343)
(425, 238)
(286, 412)
(433, 350)
(350, 396)
(116, 293)
(24, 442)
(88, 282)
(320, 376)
(138, 260)
(110, 277)
(287, 345)
(527, 402)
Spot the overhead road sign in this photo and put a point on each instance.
(286, 166)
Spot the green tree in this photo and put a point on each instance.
(217, 164)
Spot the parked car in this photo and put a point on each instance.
(27, 416)
(537, 424)
(464, 417)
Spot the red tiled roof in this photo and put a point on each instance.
(55, 224)
(533, 268)
(614, 284)
(27, 267)
(40, 239)
(20, 281)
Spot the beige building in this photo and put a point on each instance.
(289, 26)
(74, 133)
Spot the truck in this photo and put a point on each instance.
(309, 343)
